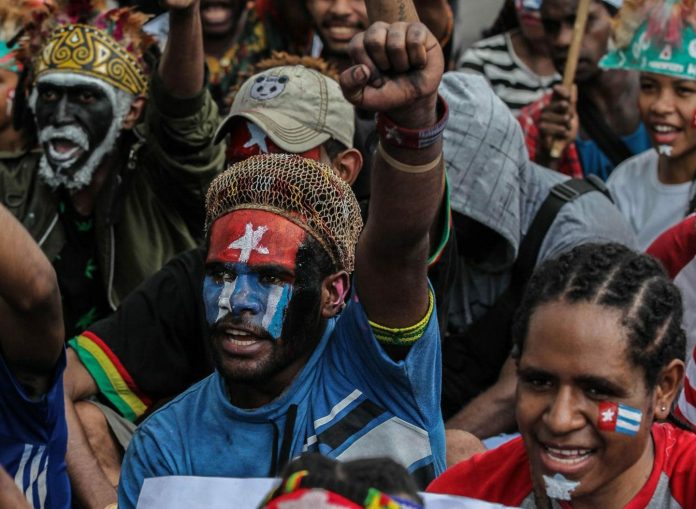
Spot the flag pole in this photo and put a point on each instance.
(571, 64)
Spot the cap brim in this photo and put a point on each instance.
(286, 132)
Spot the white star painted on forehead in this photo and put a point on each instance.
(250, 242)
(608, 415)
(258, 137)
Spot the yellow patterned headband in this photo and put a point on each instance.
(86, 50)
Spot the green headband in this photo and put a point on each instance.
(654, 55)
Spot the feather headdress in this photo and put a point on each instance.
(61, 22)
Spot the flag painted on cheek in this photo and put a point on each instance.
(251, 244)
(619, 418)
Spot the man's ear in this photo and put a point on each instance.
(668, 383)
(348, 164)
(135, 112)
(334, 291)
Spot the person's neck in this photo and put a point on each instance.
(255, 395)
(534, 54)
(12, 141)
(677, 170)
(620, 491)
(217, 46)
(84, 200)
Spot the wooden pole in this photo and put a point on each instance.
(391, 11)
(572, 61)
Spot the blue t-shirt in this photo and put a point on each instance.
(33, 439)
(352, 401)
(595, 162)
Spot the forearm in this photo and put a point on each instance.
(493, 411)
(437, 16)
(182, 65)
(89, 484)
(31, 324)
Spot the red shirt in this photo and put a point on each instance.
(569, 163)
(502, 475)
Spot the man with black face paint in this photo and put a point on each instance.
(301, 362)
(111, 199)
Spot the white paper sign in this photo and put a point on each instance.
(183, 492)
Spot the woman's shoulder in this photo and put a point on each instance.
(500, 475)
(631, 168)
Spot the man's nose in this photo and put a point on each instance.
(63, 111)
(245, 297)
(564, 36)
(341, 7)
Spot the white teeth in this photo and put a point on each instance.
(664, 128)
(568, 456)
(241, 342)
(238, 332)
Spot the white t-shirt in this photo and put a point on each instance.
(647, 204)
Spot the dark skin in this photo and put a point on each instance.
(613, 92)
(83, 105)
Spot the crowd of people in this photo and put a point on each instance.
(314, 240)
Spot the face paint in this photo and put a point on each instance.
(247, 139)
(253, 255)
(558, 487)
(79, 119)
(619, 418)
(665, 150)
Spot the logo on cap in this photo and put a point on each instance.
(268, 87)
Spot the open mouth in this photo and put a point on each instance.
(240, 342)
(341, 31)
(63, 150)
(569, 461)
(664, 134)
(216, 13)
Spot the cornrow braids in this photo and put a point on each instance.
(616, 277)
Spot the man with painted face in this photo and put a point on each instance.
(299, 367)
(596, 123)
(113, 198)
(155, 346)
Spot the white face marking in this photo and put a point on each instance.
(258, 138)
(271, 305)
(665, 150)
(608, 415)
(558, 487)
(224, 305)
(249, 242)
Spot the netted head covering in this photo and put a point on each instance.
(655, 36)
(83, 37)
(303, 191)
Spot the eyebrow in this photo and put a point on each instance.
(582, 380)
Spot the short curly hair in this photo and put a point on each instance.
(616, 277)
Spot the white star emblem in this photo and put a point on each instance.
(258, 138)
(393, 134)
(608, 415)
(249, 242)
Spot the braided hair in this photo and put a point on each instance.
(613, 276)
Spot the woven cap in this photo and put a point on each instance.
(298, 108)
(303, 191)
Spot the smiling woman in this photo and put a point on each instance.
(599, 347)
(655, 190)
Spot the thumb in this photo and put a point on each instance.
(353, 81)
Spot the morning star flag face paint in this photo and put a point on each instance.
(619, 417)
(251, 264)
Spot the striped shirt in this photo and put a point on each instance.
(515, 83)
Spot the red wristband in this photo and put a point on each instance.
(397, 136)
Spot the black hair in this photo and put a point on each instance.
(616, 277)
(506, 20)
(333, 148)
(352, 479)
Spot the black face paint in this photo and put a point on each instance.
(72, 121)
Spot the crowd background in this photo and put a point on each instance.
(154, 156)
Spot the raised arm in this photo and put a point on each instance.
(397, 72)
(182, 65)
(31, 318)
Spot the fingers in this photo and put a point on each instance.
(395, 48)
(353, 81)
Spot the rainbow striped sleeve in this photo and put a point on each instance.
(110, 375)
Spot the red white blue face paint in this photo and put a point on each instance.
(251, 267)
(619, 418)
